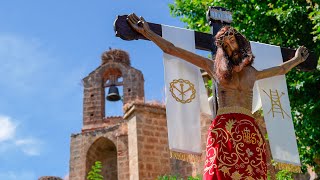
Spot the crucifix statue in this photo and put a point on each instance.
(235, 147)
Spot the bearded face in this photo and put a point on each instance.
(233, 53)
(232, 50)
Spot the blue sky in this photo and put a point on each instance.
(46, 48)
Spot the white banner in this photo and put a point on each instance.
(185, 97)
(273, 94)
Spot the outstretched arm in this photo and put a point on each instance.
(300, 56)
(141, 26)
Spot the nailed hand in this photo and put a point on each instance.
(138, 24)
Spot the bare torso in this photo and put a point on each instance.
(238, 92)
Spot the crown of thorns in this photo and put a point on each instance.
(230, 32)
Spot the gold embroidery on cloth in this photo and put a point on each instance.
(225, 170)
(288, 167)
(249, 178)
(248, 137)
(234, 109)
(229, 125)
(185, 156)
(276, 106)
(239, 156)
(182, 90)
(249, 170)
(236, 175)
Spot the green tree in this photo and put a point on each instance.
(94, 173)
(286, 23)
(170, 177)
(284, 175)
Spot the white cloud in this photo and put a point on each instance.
(12, 175)
(7, 128)
(8, 131)
(29, 146)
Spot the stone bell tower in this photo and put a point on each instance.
(104, 138)
(115, 65)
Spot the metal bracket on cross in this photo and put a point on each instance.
(203, 41)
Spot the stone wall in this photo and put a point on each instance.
(149, 155)
(148, 141)
(106, 144)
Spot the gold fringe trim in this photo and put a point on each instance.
(234, 109)
(288, 167)
(185, 156)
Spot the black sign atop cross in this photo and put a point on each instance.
(204, 41)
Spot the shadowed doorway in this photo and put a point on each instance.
(105, 151)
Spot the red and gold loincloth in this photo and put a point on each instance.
(235, 147)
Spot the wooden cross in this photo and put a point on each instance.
(203, 41)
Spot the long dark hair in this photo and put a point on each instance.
(223, 65)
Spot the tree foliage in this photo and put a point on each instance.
(284, 175)
(94, 173)
(285, 23)
(176, 177)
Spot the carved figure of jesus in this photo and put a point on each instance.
(235, 146)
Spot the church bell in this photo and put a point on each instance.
(113, 94)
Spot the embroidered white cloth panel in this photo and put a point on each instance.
(185, 94)
(272, 95)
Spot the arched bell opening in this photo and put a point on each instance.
(105, 151)
(114, 108)
(114, 92)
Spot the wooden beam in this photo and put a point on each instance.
(123, 30)
(203, 41)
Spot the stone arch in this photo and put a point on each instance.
(105, 151)
(122, 68)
